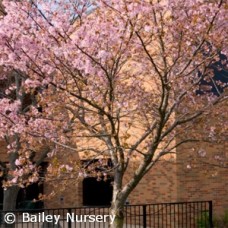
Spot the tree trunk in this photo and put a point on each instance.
(117, 210)
(10, 198)
(9, 202)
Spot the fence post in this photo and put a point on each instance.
(69, 222)
(144, 216)
(210, 214)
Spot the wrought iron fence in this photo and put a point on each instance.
(164, 215)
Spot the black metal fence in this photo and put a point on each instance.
(165, 215)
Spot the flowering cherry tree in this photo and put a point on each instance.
(117, 79)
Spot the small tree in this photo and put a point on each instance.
(122, 81)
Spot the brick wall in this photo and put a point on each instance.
(158, 185)
(202, 178)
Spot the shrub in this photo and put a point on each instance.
(203, 221)
(222, 221)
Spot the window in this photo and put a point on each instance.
(97, 193)
(97, 189)
(216, 83)
(26, 196)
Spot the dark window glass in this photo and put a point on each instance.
(218, 81)
(97, 193)
(26, 196)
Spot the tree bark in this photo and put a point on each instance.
(118, 199)
(9, 202)
(117, 210)
(10, 198)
